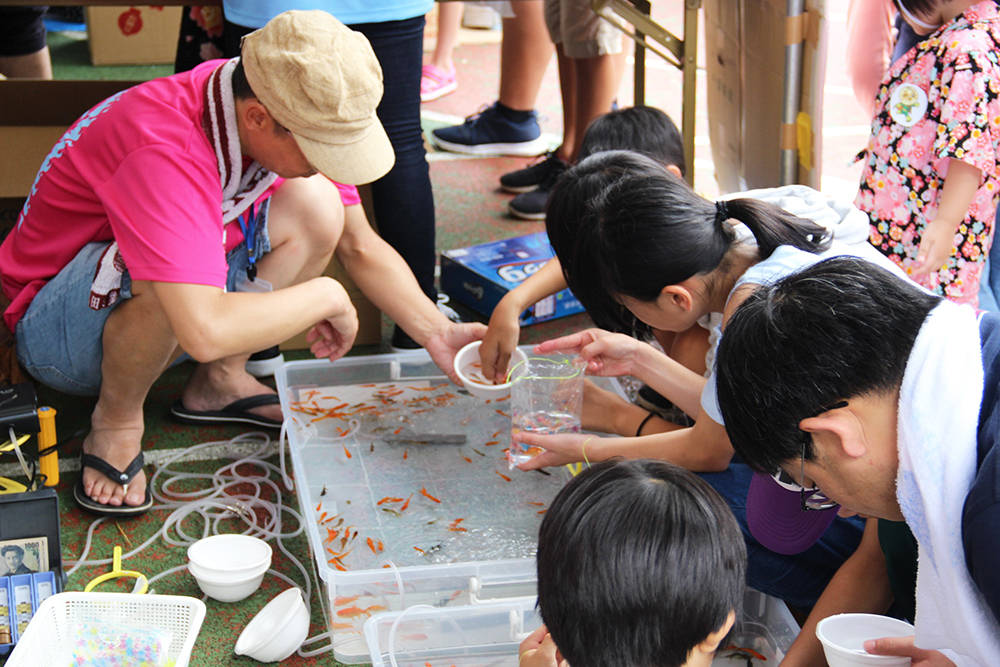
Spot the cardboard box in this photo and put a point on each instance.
(35, 117)
(479, 276)
(369, 317)
(133, 35)
(745, 44)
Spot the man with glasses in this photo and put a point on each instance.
(844, 385)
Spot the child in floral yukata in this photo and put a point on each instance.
(930, 182)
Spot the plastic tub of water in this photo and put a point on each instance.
(490, 633)
(450, 525)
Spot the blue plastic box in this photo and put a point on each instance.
(479, 276)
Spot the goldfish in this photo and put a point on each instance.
(341, 601)
(351, 612)
(502, 476)
(423, 492)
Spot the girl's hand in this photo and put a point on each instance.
(606, 354)
(936, 245)
(903, 647)
(559, 449)
(539, 650)
(499, 342)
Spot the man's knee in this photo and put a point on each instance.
(307, 210)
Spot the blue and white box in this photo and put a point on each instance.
(479, 276)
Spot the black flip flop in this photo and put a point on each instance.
(87, 503)
(237, 412)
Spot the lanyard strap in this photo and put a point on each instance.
(249, 228)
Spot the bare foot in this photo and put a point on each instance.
(214, 386)
(118, 444)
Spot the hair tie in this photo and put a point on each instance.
(721, 213)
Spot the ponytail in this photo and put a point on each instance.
(621, 225)
(773, 226)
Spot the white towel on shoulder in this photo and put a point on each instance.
(939, 404)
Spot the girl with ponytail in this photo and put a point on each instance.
(641, 250)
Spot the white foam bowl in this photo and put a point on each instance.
(228, 587)
(277, 630)
(470, 354)
(230, 554)
(843, 637)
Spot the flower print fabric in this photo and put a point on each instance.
(938, 102)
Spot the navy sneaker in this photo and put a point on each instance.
(531, 205)
(487, 132)
(529, 178)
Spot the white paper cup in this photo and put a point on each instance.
(843, 637)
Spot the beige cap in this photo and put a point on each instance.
(322, 81)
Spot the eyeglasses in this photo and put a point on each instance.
(812, 498)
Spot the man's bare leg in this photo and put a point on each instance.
(304, 225)
(138, 346)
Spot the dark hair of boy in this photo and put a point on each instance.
(645, 130)
(623, 226)
(839, 329)
(639, 562)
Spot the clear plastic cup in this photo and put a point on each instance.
(546, 398)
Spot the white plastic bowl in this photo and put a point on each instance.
(469, 355)
(228, 587)
(843, 637)
(230, 554)
(277, 630)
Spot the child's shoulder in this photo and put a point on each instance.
(976, 43)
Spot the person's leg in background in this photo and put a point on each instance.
(591, 64)
(438, 77)
(525, 52)
(591, 57)
(403, 200)
(510, 126)
(23, 51)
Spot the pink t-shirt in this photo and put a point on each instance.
(138, 169)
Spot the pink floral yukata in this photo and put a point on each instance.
(940, 100)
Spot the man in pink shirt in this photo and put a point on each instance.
(150, 233)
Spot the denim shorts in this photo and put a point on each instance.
(59, 338)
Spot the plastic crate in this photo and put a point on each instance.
(492, 559)
(491, 633)
(57, 620)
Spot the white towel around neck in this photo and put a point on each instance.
(939, 404)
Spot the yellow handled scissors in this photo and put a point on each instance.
(141, 584)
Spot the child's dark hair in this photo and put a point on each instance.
(622, 226)
(922, 7)
(836, 330)
(638, 563)
(645, 130)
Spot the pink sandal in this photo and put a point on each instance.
(436, 82)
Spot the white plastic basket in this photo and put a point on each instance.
(58, 618)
